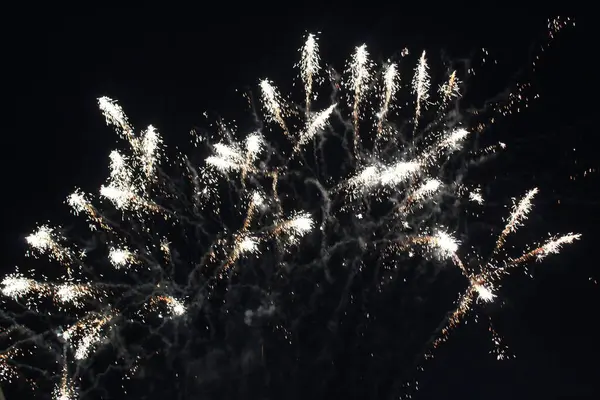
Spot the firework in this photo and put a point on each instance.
(420, 85)
(309, 66)
(199, 253)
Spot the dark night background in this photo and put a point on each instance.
(168, 73)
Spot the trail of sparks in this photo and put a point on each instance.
(65, 390)
(273, 105)
(518, 214)
(360, 74)
(391, 85)
(421, 85)
(309, 67)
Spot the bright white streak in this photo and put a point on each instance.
(316, 124)
(420, 85)
(553, 246)
(397, 173)
(391, 85)
(359, 68)
(227, 152)
(427, 188)
(272, 104)
(113, 113)
(518, 214)
(520, 210)
(149, 147)
(121, 197)
(309, 66)
(373, 176)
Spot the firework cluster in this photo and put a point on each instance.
(176, 238)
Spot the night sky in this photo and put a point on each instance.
(167, 73)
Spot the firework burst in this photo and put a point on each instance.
(182, 240)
